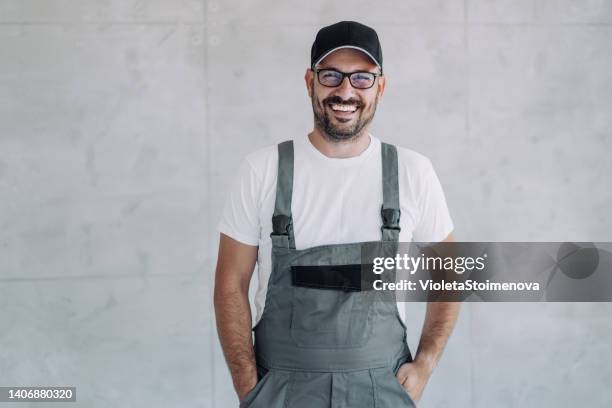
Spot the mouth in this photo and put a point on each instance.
(343, 111)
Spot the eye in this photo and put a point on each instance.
(362, 79)
(362, 76)
(329, 74)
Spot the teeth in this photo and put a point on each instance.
(344, 108)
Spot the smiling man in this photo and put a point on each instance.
(300, 210)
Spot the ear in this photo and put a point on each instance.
(382, 83)
(309, 79)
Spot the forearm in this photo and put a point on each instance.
(439, 322)
(233, 314)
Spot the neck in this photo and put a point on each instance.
(340, 149)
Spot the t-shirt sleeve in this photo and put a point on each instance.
(240, 215)
(435, 222)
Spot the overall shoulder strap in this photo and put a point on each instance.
(390, 211)
(282, 221)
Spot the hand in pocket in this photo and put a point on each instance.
(413, 378)
(245, 387)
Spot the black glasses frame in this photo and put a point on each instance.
(346, 74)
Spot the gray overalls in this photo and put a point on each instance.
(320, 343)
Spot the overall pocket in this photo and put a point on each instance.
(390, 393)
(250, 397)
(329, 308)
(322, 318)
(270, 392)
(402, 389)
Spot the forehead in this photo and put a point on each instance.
(348, 59)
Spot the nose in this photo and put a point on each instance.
(345, 90)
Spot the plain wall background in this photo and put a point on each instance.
(122, 123)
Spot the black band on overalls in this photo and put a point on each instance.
(348, 278)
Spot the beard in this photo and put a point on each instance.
(337, 130)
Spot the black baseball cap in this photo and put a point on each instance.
(346, 34)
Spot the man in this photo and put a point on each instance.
(299, 211)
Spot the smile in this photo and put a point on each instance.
(343, 108)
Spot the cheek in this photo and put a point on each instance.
(370, 97)
(320, 93)
(370, 101)
(320, 97)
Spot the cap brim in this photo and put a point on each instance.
(347, 46)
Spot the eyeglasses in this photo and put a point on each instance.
(358, 79)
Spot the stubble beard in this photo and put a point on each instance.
(334, 133)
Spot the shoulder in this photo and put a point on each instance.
(263, 160)
(413, 164)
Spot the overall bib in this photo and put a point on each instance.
(321, 341)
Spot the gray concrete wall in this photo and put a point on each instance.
(122, 122)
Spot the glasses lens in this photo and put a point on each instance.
(362, 80)
(330, 77)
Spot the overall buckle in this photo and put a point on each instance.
(280, 224)
(391, 218)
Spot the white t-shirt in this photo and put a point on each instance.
(335, 201)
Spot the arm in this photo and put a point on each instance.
(440, 319)
(235, 265)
